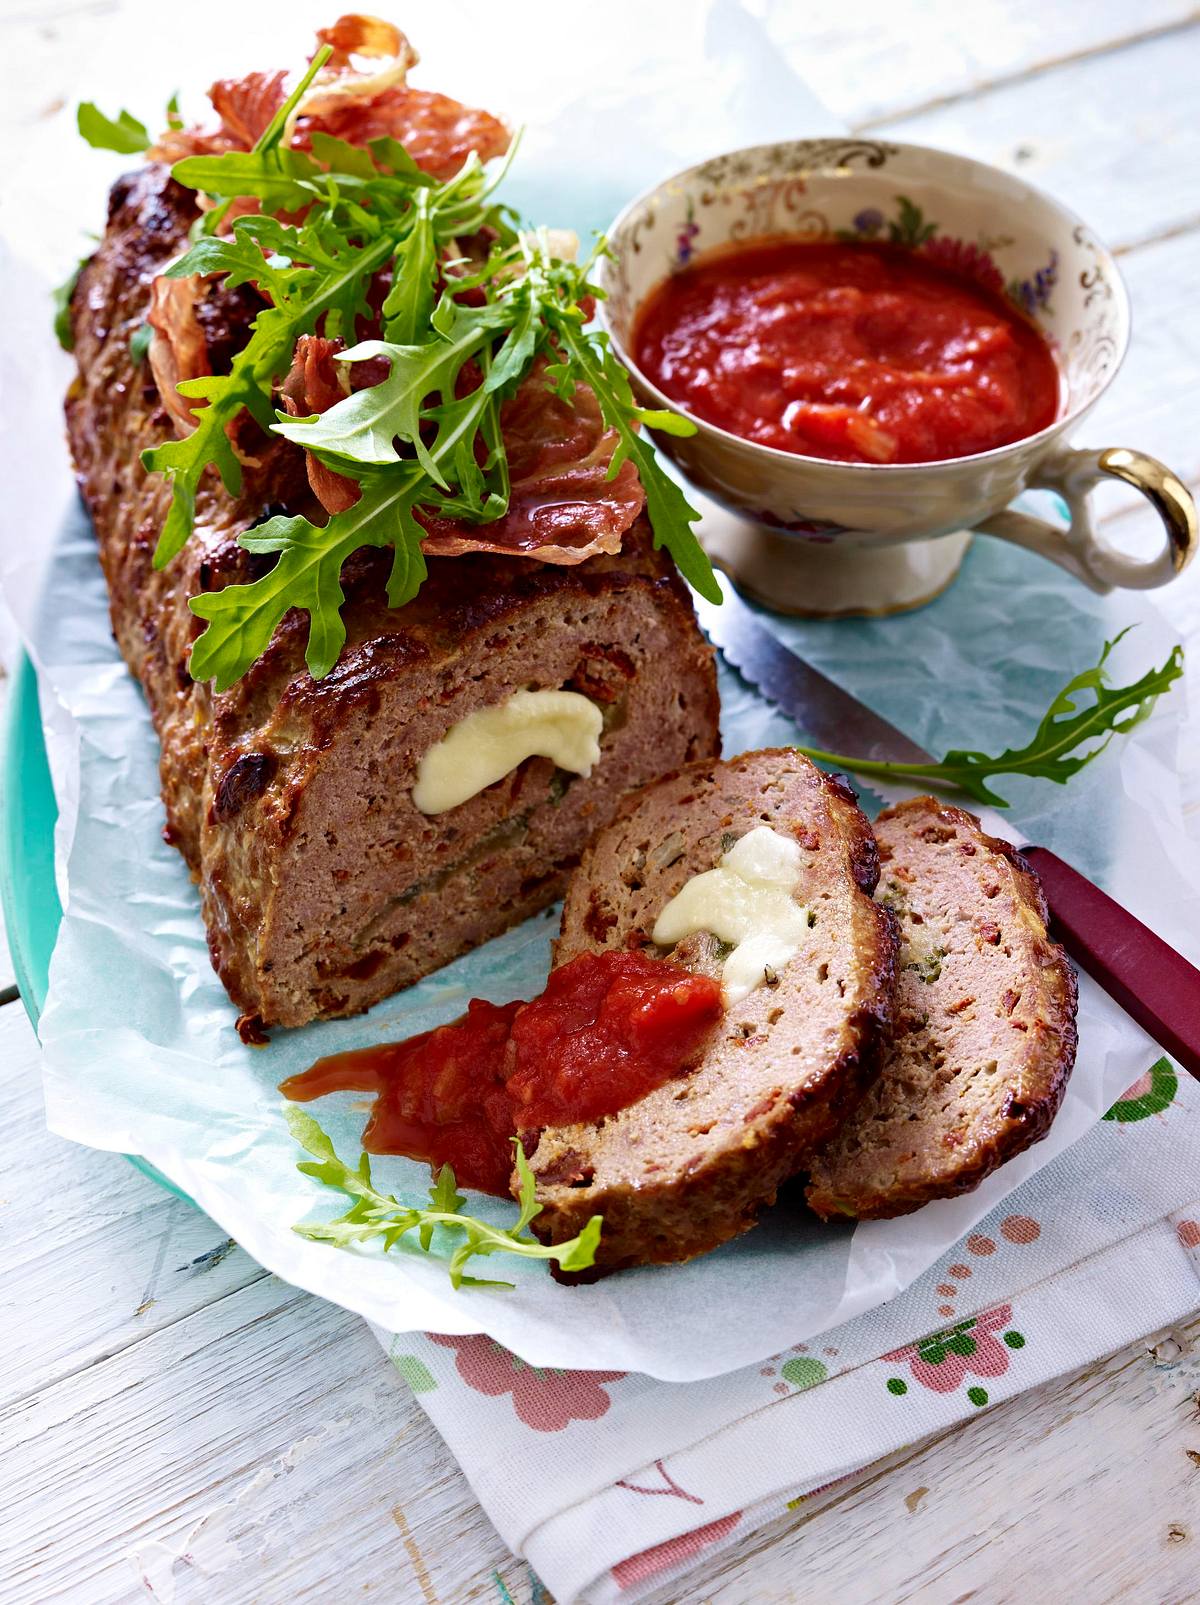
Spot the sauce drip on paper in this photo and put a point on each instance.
(607, 1029)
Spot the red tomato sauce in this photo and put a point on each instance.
(608, 1029)
(854, 352)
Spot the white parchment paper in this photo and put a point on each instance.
(140, 1051)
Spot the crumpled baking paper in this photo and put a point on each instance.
(140, 1054)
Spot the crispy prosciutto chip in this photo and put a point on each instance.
(351, 104)
(178, 349)
(357, 35)
(246, 105)
(562, 506)
(314, 385)
(438, 133)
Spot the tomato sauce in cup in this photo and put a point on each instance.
(851, 351)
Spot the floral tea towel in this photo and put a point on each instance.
(614, 1484)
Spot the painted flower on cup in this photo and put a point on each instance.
(967, 260)
(1034, 294)
(685, 240)
(944, 1360)
(546, 1400)
(909, 227)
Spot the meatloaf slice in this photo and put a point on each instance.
(323, 887)
(694, 1162)
(984, 1038)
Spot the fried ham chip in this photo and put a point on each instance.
(562, 507)
(357, 104)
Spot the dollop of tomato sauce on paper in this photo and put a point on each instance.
(608, 1029)
(855, 352)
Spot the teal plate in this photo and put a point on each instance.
(28, 890)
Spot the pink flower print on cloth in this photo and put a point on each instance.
(545, 1400)
(943, 1360)
(662, 1557)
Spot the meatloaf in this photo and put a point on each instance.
(694, 1163)
(984, 1036)
(323, 888)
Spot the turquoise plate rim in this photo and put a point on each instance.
(28, 889)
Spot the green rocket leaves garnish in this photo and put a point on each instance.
(412, 441)
(1087, 710)
(459, 335)
(379, 1217)
(61, 295)
(121, 133)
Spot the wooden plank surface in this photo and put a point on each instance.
(1084, 1489)
(176, 1425)
(877, 59)
(131, 1258)
(1115, 135)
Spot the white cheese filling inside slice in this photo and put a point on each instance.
(489, 744)
(747, 900)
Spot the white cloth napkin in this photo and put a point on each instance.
(613, 1484)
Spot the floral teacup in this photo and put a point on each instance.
(814, 536)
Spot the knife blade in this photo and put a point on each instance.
(833, 718)
(1152, 982)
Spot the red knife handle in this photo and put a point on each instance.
(1151, 982)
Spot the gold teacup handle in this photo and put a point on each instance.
(1078, 548)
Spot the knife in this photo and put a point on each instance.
(1153, 983)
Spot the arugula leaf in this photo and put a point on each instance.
(273, 133)
(243, 618)
(61, 297)
(446, 1199)
(408, 306)
(391, 155)
(123, 133)
(1056, 750)
(174, 120)
(376, 1216)
(281, 181)
(184, 461)
(366, 424)
(302, 297)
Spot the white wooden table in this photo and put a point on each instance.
(176, 1424)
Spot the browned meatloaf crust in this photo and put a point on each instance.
(696, 1161)
(984, 1037)
(323, 887)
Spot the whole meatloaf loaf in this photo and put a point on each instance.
(323, 887)
(696, 1161)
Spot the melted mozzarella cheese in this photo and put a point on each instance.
(489, 744)
(747, 900)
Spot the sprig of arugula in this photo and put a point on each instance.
(1087, 710)
(411, 441)
(379, 1217)
(427, 438)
